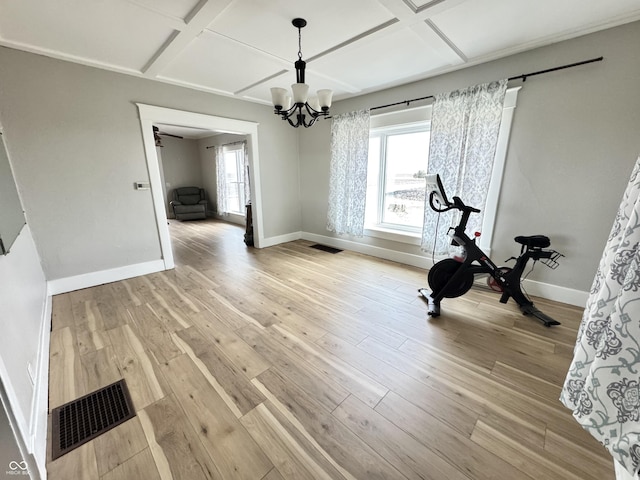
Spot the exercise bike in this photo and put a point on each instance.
(450, 278)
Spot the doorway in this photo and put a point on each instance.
(151, 114)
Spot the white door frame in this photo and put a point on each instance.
(149, 115)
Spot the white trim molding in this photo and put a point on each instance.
(86, 280)
(150, 114)
(40, 402)
(289, 237)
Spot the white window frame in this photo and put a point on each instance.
(383, 133)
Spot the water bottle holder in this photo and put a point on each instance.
(552, 261)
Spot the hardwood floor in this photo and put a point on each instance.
(293, 363)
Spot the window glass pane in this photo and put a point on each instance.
(231, 168)
(406, 166)
(234, 166)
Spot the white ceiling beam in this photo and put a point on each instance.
(203, 14)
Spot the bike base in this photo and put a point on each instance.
(433, 307)
(543, 317)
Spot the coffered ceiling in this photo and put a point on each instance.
(241, 48)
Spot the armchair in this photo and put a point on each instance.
(189, 203)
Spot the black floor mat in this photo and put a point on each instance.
(81, 420)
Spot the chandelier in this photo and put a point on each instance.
(304, 110)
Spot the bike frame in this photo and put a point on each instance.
(509, 281)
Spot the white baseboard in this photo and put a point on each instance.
(77, 282)
(556, 293)
(289, 237)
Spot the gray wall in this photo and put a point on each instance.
(77, 148)
(574, 141)
(181, 164)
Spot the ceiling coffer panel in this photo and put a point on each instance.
(416, 52)
(267, 24)
(113, 33)
(172, 8)
(493, 26)
(218, 63)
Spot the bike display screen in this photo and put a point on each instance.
(436, 190)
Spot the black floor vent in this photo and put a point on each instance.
(324, 248)
(81, 420)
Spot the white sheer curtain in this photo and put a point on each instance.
(221, 184)
(602, 387)
(247, 177)
(464, 134)
(348, 173)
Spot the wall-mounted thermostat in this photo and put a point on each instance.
(141, 185)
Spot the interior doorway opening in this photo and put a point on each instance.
(150, 115)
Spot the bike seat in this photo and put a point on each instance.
(534, 241)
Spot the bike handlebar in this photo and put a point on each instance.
(457, 204)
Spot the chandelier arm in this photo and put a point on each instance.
(294, 125)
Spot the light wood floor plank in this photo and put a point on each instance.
(176, 448)
(61, 312)
(119, 444)
(136, 367)
(458, 415)
(152, 333)
(66, 380)
(345, 448)
(314, 382)
(235, 348)
(100, 368)
(476, 461)
(79, 463)
(291, 460)
(404, 452)
(234, 451)
(140, 466)
(355, 381)
(231, 379)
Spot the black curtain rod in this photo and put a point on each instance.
(225, 144)
(522, 77)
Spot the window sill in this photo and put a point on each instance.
(410, 238)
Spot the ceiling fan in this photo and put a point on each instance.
(157, 134)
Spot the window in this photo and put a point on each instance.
(234, 178)
(398, 161)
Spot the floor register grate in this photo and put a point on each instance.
(81, 420)
(325, 248)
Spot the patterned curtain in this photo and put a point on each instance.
(464, 134)
(602, 386)
(221, 184)
(348, 173)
